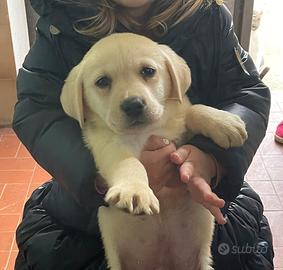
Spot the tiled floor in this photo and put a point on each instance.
(265, 175)
(20, 175)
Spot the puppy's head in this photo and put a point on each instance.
(126, 80)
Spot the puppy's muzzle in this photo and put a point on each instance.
(134, 109)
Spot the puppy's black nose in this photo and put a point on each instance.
(133, 106)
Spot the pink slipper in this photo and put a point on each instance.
(279, 133)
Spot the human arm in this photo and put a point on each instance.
(53, 138)
(239, 91)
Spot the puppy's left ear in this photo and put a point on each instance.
(72, 95)
(179, 72)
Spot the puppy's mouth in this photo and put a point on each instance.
(131, 126)
(136, 123)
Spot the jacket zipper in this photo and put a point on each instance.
(59, 51)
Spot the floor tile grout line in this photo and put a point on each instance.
(278, 210)
(17, 152)
(8, 135)
(15, 170)
(270, 179)
(273, 154)
(10, 214)
(20, 182)
(276, 190)
(3, 190)
(13, 158)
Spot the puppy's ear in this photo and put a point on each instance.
(179, 72)
(72, 95)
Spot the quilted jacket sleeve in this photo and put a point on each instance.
(53, 138)
(239, 91)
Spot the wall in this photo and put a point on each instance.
(13, 47)
(19, 30)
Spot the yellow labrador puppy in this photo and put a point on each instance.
(125, 89)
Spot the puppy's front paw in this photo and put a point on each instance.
(136, 198)
(229, 130)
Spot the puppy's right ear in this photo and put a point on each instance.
(72, 95)
(179, 72)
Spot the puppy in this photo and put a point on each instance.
(125, 89)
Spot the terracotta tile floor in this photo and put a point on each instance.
(20, 175)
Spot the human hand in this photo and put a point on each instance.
(156, 159)
(196, 170)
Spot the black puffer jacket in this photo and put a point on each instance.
(59, 229)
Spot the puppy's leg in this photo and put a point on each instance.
(205, 232)
(224, 128)
(125, 175)
(106, 224)
(205, 258)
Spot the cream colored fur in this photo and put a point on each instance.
(174, 233)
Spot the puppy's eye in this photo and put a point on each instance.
(148, 72)
(103, 82)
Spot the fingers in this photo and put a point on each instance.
(186, 171)
(201, 192)
(215, 211)
(180, 155)
(157, 158)
(213, 199)
(155, 142)
(199, 189)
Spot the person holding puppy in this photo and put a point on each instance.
(59, 228)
